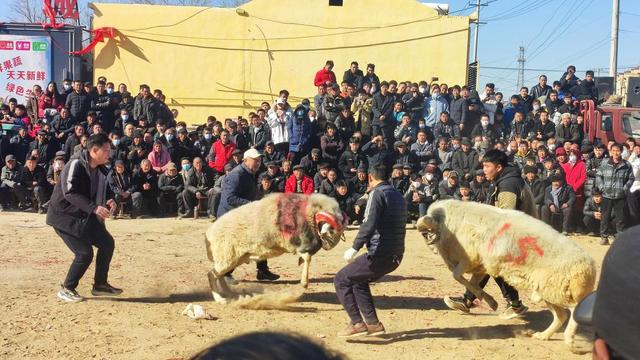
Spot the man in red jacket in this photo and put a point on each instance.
(575, 172)
(325, 75)
(221, 151)
(299, 182)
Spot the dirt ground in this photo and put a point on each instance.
(162, 265)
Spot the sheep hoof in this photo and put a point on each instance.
(219, 299)
(569, 341)
(541, 336)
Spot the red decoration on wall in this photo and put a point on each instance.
(98, 35)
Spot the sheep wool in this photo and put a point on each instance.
(527, 253)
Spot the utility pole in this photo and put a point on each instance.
(615, 19)
(521, 61)
(475, 40)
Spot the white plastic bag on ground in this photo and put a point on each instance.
(197, 312)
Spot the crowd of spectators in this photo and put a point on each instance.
(432, 138)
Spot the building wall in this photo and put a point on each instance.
(214, 61)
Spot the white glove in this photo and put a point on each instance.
(350, 255)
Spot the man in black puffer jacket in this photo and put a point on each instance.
(78, 102)
(77, 211)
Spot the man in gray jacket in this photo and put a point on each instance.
(614, 178)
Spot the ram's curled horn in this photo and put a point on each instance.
(325, 217)
(331, 230)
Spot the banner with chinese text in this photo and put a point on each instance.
(24, 61)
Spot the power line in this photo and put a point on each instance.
(227, 48)
(543, 27)
(576, 17)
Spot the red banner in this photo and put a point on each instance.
(98, 36)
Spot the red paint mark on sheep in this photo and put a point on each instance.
(291, 214)
(495, 236)
(525, 244)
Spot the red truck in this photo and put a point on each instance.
(605, 123)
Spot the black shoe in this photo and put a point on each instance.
(105, 290)
(266, 275)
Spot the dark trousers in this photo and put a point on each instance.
(167, 202)
(282, 147)
(591, 223)
(95, 235)
(634, 208)
(352, 285)
(37, 193)
(509, 293)
(547, 216)
(613, 210)
(144, 203)
(187, 201)
(262, 265)
(6, 194)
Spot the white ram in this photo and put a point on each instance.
(527, 253)
(278, 224)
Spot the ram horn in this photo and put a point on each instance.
(329, 219)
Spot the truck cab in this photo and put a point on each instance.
(609, 123)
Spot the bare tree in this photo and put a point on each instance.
(27, 11)
(31, 11)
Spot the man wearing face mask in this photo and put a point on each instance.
(204, 142)
(118, 151)
(123, 120)
(575, 176)
(67, 88)
(434, 106)
(485, 130)
(104, 104)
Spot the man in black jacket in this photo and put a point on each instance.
(78, 102)
(535, 185)
(586, 89)
(592, 212)
(32, 185)
(382, 121)
(170, 185)
(383, 232)
(77, 211)
(145, 183)
(354, 75)
(558, 200)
